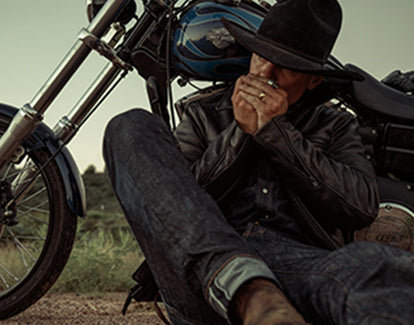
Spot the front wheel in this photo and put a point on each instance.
(34, 251)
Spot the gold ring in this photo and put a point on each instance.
(272, 84)
(262, 95)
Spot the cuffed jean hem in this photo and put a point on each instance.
(236, 271)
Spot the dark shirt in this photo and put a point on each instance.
(262, 200)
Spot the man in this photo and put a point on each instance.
(282, 179)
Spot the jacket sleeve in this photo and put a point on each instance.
(218, 155)
(337, 183)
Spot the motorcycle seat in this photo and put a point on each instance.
(382, 99)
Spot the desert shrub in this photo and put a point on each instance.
(100, 262)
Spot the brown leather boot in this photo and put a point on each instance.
(261, 302)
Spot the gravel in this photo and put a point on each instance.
(72, 308)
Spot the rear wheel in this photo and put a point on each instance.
(34, 251)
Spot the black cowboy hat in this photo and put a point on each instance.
(297, 35)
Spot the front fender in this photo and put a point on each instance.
(43, 137)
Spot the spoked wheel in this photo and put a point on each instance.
(35, 246)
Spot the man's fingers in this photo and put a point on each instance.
(256, 85)
(240, 102)
(252, 100)
(266, 105)
(259, 82)
(252, 90)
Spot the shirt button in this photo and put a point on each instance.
(265, 190)
(267, 216)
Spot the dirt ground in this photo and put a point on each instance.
(64, 309)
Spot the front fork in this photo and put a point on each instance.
(31, 114)
(28, 118)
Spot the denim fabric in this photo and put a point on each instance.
(181, 230)
(199, 260)
(360, 283)
(228, 279)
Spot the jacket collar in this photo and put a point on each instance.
(225, 102)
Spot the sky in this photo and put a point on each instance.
(376, 35)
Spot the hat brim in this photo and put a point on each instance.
(282, 57)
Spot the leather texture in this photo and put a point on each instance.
(315, 148)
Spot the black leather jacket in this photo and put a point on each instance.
(316, 149)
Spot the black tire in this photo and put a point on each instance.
(34, 252)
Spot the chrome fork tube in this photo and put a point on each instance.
(74, 58)
(30, 115)
(68, 125)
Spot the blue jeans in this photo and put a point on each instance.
(199, 260)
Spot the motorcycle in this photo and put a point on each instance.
(41, 189)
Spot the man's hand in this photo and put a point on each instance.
(244, 113)
(255, 102)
